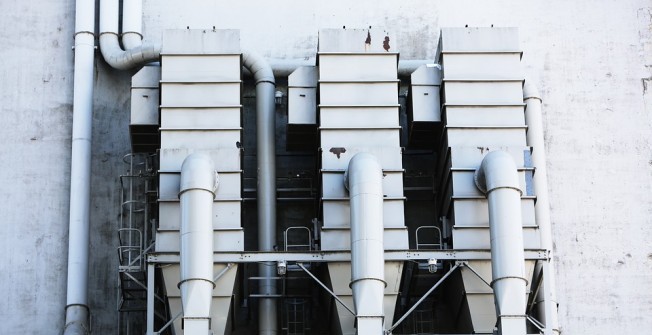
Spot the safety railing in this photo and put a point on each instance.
(432, 240)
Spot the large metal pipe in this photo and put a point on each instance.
(77, 310)
(266, 190)
(364, 180)
(196, 195)
(497, 177)
(546, 297)
(132, 23)
(140, 53)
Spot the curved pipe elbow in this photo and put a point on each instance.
(124, 60)
(197, 173)
(258, 66)
(497, 170)
(530, 91)
(363, 170)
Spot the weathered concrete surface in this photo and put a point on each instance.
(592, 61)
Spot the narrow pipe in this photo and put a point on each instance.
(364, 180)
(546, 298)
(266, 190)
(110, 44)
(132, 23)
(497, 177)
(77, 310)
(197, 192)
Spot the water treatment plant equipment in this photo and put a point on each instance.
(396, 169)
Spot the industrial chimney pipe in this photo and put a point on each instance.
(266, 190)
(197, 192)
(364, 180)
(497, 177)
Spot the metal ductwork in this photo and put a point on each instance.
(266, 190)
(197, 190)
(364, 180)
(497, 177)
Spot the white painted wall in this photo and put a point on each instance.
(591, 59)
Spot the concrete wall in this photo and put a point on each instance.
(591, 59)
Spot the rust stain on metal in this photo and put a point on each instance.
(337, 151)
(386, 43)
(483, 149)
(368, 40)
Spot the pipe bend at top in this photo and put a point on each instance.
(502, 175)
(258, 66)
(363, 169)
(530, 91)
(125, 60)
(113, 54)
(198, 174)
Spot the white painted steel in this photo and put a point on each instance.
(333, 184)
(479, 39)
(230, 185)
(110, 44)
(132, 23)
(145, 96)
(201, 118)
(200, 94)
(198, 185)
(77, 309)
(364, 181)
(497, 177)
(285, 67)
(266, 190)
(484, 115)
(200, 68)
(483, 92)
(485, 137)
(479, 65)
(390, 157)
(342, 117)
(355, 67)
(426, 82)
(475, 212)
(547, 300)
(363, 93)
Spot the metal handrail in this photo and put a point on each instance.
(131, 249)
(285, 238)
(429, 245)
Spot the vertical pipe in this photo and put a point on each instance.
(150, 298)
(364, 179)
(546, 298)
(196, 195)
(266, 190)
(132, 23)
(77, 310)
(497, 177)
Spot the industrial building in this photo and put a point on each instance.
(377, 167)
